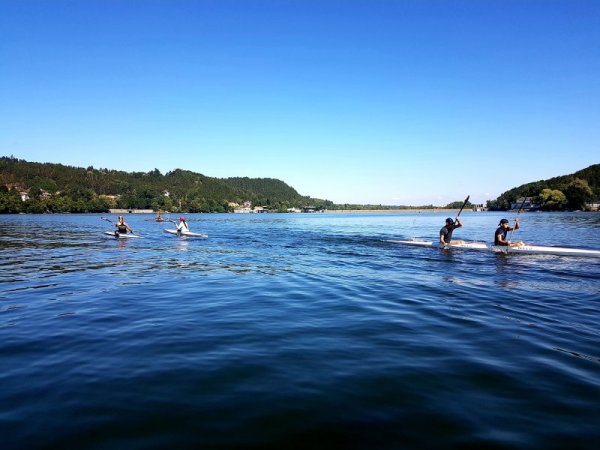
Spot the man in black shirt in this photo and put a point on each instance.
(503, 229)
(446, 231)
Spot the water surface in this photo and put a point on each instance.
(297, 331)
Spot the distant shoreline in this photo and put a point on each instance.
(334, 211)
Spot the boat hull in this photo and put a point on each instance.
(186, 234)
(120, 236)
(525, 249)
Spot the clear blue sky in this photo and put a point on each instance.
(372, 101)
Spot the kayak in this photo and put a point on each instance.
(121, 236)
(466, 245)
(187, 234)
(525, 249)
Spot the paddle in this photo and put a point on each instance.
(181, 231)
(463, 205)
(517, 218)
(461, 208)
(174, 223)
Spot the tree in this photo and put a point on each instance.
(11, 202)
(36, 206)
(458, 204)
(578, 193)
(551, 199)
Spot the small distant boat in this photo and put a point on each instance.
(159, 217)
(525, 249)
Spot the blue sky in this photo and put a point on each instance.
(373, 101)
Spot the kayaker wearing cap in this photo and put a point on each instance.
(446, 231)
(503, 229)
(182, 226)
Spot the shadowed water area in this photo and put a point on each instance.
(297, 331)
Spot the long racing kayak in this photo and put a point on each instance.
(525, 249)
(121, 235)
(187, 234)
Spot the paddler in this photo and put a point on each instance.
(446, 231)
(182, 226)
(122, 226)
(502, 231)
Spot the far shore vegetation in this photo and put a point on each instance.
(28, 187)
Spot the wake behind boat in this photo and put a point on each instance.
(186, 234)
(525, 249)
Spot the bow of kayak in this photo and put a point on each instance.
(544, 250)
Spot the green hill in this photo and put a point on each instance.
(59, 188)
(566, 192)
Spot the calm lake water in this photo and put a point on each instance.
(297, 331)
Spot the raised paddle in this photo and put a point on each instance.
(461, 208)
(463, 205)
(517, 218)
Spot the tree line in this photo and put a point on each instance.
(568, 192)
(58, 188)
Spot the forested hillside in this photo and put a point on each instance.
(567, 192)
(59, 188)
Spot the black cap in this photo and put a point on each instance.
(449, 220)
(503, 221)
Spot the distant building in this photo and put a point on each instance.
(24, 196)
(593, 206)
(246, 208)
(131, 211)
(524, 203)
(312, 209)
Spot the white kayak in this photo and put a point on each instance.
(525, 249)
(187, 234)
(121, 235)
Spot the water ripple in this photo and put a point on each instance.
(299, 331)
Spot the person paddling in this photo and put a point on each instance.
(502, 231)
(182, 226)
(122, 226)
(446, 231)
